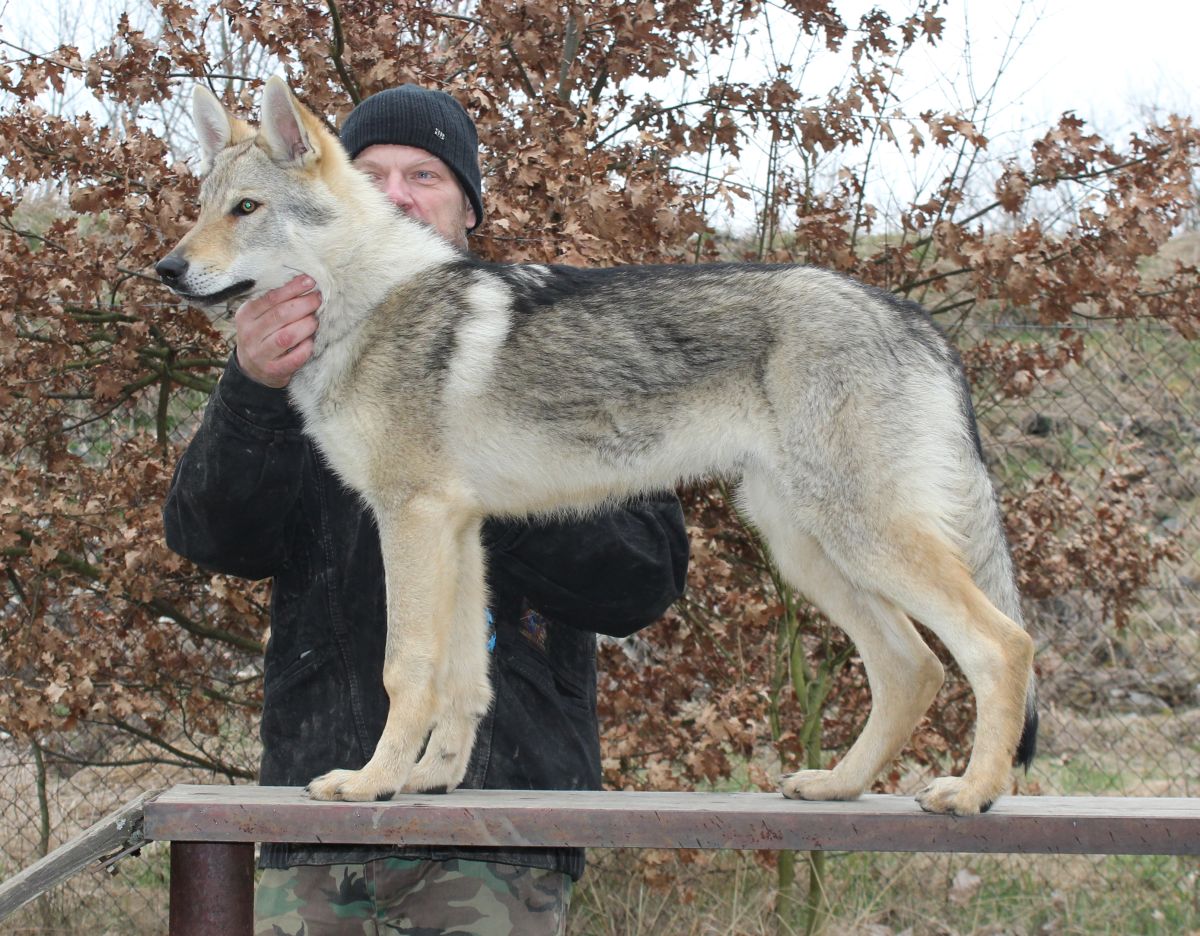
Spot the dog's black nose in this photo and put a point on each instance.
(170, 268)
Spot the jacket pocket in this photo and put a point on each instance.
(552, 685)
(306, 661)
(569, 655)
(542, 737)
(307, 724)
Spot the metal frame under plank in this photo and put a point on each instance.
(1099, 825)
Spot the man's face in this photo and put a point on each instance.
(422, 186)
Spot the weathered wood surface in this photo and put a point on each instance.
(113, 833)
(1100, 825)
(1017, 824)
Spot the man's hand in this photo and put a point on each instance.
(275, 332)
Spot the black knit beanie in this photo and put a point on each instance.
(420, 117)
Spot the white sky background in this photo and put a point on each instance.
(1107, 60)
(1114, 62)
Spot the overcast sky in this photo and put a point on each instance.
(1110, 62)
(1103, 58)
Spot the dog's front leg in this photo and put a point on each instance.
(421, 541)
(467, 690)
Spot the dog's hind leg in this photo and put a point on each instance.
(421, 540)
(923, 574)
(903, 672)
(464, 676)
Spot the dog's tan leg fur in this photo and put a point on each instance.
(464, 673)
(903, 672)
(904, 677)
(994, 653)
(421, 543)
(893, 575)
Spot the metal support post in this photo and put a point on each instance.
(212, 888)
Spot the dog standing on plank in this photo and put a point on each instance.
(840, 410)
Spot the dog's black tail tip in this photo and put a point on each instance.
(1027, 746)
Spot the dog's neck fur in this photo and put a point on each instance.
(354, 276)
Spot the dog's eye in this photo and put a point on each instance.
(245, 206)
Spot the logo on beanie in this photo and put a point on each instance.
(437, 132)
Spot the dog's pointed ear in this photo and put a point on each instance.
(290, 134)
(214, 127)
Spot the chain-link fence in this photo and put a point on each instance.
(47, 801)
(1120, 706)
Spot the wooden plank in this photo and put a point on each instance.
(1045, 824)
(115, 832)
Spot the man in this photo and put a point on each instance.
(251, 497)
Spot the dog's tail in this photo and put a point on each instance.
(990, 560)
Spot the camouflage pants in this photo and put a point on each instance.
(401, 897)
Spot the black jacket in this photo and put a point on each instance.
(252, 498)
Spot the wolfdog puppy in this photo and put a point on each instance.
(444, 390)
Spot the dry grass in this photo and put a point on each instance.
(892, 894)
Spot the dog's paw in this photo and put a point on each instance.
(436, 776)
(350, 785)
(447, 754)
(954, 796)
(816, 785)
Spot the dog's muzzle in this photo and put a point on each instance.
(172, 269)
